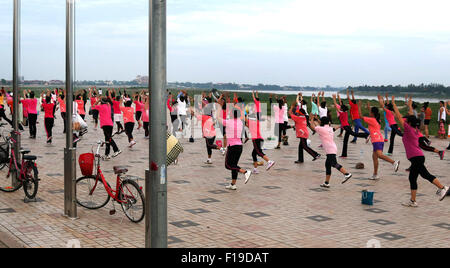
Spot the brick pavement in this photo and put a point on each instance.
(282, 208)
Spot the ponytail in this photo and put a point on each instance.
(376, 114)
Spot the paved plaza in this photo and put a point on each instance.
(281, 208)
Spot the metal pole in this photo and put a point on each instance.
(70, 205)
(16, 84)
(156, 176)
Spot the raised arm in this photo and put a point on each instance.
(398, 114)
(339, 98)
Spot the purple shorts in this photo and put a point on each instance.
(378, 146)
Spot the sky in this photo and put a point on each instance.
(284, 42)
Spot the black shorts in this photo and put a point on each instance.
(427, 122)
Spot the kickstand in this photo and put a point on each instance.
(26, 200)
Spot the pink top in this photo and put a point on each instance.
(234, 131)
(279, 114)
(301, 127)
(375, 130)
(31, 105)
(258, 106)
(255, 129)
(128, 114)
(48, 109)
(326, 134)
(81, 110)
(25, 107)
(145, 116)
(390, 117)
(104, 111)
(411, 142)
(116, 107)
(62, 105)
(139, 106)
(208, 129)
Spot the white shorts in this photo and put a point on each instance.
(118, 117)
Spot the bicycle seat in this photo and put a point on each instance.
(120, 170)
(25, 151)
(29, 157)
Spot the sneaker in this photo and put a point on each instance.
(106, 158)
(223, 151)
(343, 157)
(116, 154)
(375, 178)
(441, 154)
(353, 142)
(298, 162)
(248, 174)
(270, 164)
(442, 193)
(231, 187)
(208, 162)
(396, 166)
(347, 177)
(410, 204)
(255, 171)
(389, 154)
(132, 143)
(325, 185)
(317, 157)
(76, 139)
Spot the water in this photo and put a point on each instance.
(329, 94)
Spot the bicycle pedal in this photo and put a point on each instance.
(112, 212)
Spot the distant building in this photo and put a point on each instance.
(142, 80)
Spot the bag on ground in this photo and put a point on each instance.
(367, 198)
(174, 149)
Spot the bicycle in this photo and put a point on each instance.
(127, 192)
(27, 170)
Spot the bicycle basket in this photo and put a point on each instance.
(86, 162)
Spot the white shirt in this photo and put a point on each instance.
(442, 115)
(285, 115)
(181, 107)
(323, 112)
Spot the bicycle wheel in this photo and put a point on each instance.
(6, 184)
(133, 201)
(31, 181)
(91, 193)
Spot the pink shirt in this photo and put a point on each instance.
(81, 110)
(31, 105)
(116, 107)
(326, 134)
(279, 114)
(375, 129)
(62, 105)
(145, 116)
(234, 131)
(411, 142)
(208, 129)
(390, 117)
(128, 114)
(104, 111)
(258, 106)
(301, 127)
(255, 129)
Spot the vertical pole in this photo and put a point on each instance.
(16, 84)
(70, 205)
(156, 176)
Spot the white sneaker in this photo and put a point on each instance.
(132, 143)
(375, 178)
(270, 164)
(106, 158)
(255, 171)
(324, 185)
(248, 174)
(347, 177)
(116, 153)
(208, 162)
(223, 151)
(396, 166)
(410, 204)
(442, 193)
(231, 187)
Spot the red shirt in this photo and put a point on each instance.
(343, 117)
(354, 111)
(116, 107)
(48, 109)
(81, 110)
(301, 127)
